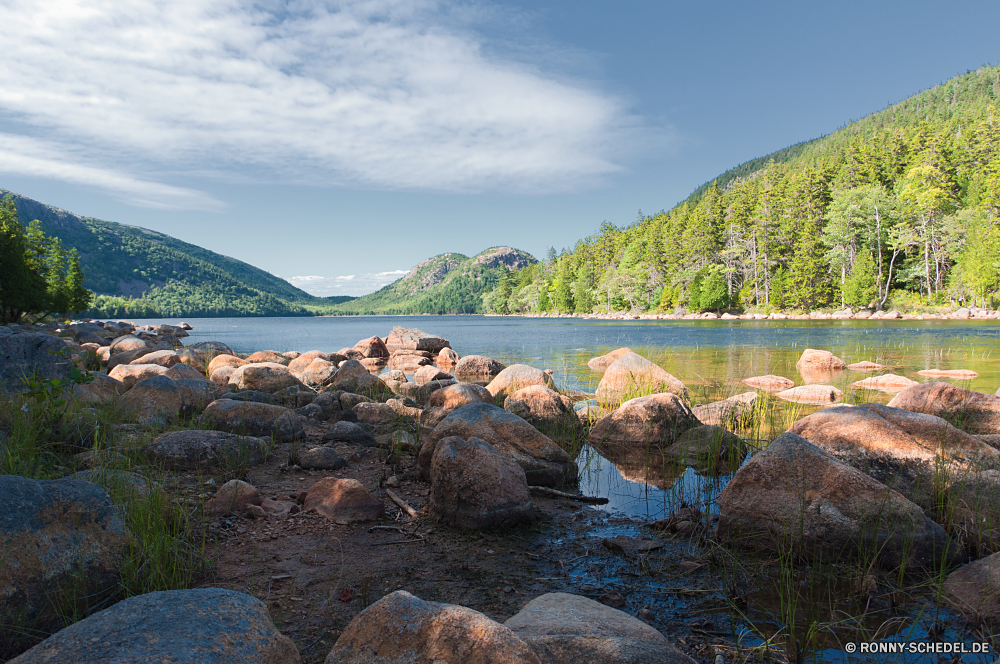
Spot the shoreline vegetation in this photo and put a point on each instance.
(963, 313)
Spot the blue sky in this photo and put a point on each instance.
(338, 144)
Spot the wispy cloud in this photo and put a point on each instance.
(399, 94)
(349, 284)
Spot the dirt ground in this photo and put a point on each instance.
(316, 576)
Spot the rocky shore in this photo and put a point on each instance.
(400, 457)
(963, 313)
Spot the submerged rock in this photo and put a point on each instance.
(770, 383)
(736, 412)
(657, 419)
(974, 591)
(602, 362)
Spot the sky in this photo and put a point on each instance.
(337, 144)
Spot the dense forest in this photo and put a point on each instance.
(899, 209)
(445, 284)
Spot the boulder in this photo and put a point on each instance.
(373, 347)
(974, 591)
(185, 372)
(961, 374)
(477, 366)
(152, 399)
(128, 357)
(409, 362)
(224, 361)
(343, 501)
(793, 496)
(405, 338)
(233, 497)
(253, 419)
(885, 383)
(819, 360)
(657, 419)
(544, 462)
(365, 385)
(103, 389)
(222, 376)
(516, 377)
(264, 377)
(126, 344)
(770, 383)
(906, 451)
(299, 364)
(421, 394)
(130, 374)
(973, 511)
(602, 362)
(475, 487)
(329, 403)
(320, 458)
(970, 411)
(633, 376)
(386, 416)
(447, 357)
(164, 358)
(546, 410)
(194, 449)
(736, 412)
(426, 374)
(350, 369)
(204, 625)
(268, 357)
(453, 397)
(403, 629)
(61, 539)
(817, 395)
(319, 373)
(211, 349)
(708, 447)
(26, 353)
(196, 394)
(865, 366)
(350, 433)
(568, 629)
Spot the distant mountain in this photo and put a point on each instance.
(138, 272)
(444, 284)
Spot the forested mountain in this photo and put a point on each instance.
(141, 273)
(900, 208)
(444, 284)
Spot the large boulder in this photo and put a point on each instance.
(633, 376)
(264, 377)
(708, 448)
(447, 357)
(300, 363)
(193, 449)
(225, 361)
(475, 487)
(602, 362)
(403, 629)
(794, 497)
(970, 411)
(736, 412)
(516, 377)
(126, 344)
(130, 374)
(769, 383)
(373, 347)
(61, 539)
(426, 374)
(546, 410)
(185, 372)
(409, 361)
(268, 356)
(165, 358)
(657, 419)
(211, 349)
(974, 591)
(204, 625)
(453, 397)
(102, 389)
(406, 338)
(318, 373)
(344, 501)
(568, 629)
(472, 367)
(253, 419)
(350, 433)
(544, 462)
(222, 375)
(819, 361)
(196, 394)
(154, 399)
(909, 452)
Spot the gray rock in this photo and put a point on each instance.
(61, 539)
(321, 458)
(203, 626)
(409, 338)
(205, 449)
(26, 354)
(253, 419)
(351, 433)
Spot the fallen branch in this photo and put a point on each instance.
(402, 504)
(592, 500)
(407, 541)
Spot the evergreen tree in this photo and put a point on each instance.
(22, 289)
(859, 289)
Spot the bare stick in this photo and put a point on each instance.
(593, 500)
(402, 504)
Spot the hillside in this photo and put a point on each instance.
(444, 284)
(901, 207)
(138, 272)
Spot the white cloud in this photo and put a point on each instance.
(350, 284)
(395, 94)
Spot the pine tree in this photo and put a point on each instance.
(22, 289)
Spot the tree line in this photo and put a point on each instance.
(900, 209)
(38, 276)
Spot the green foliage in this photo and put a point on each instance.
(894, 192)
